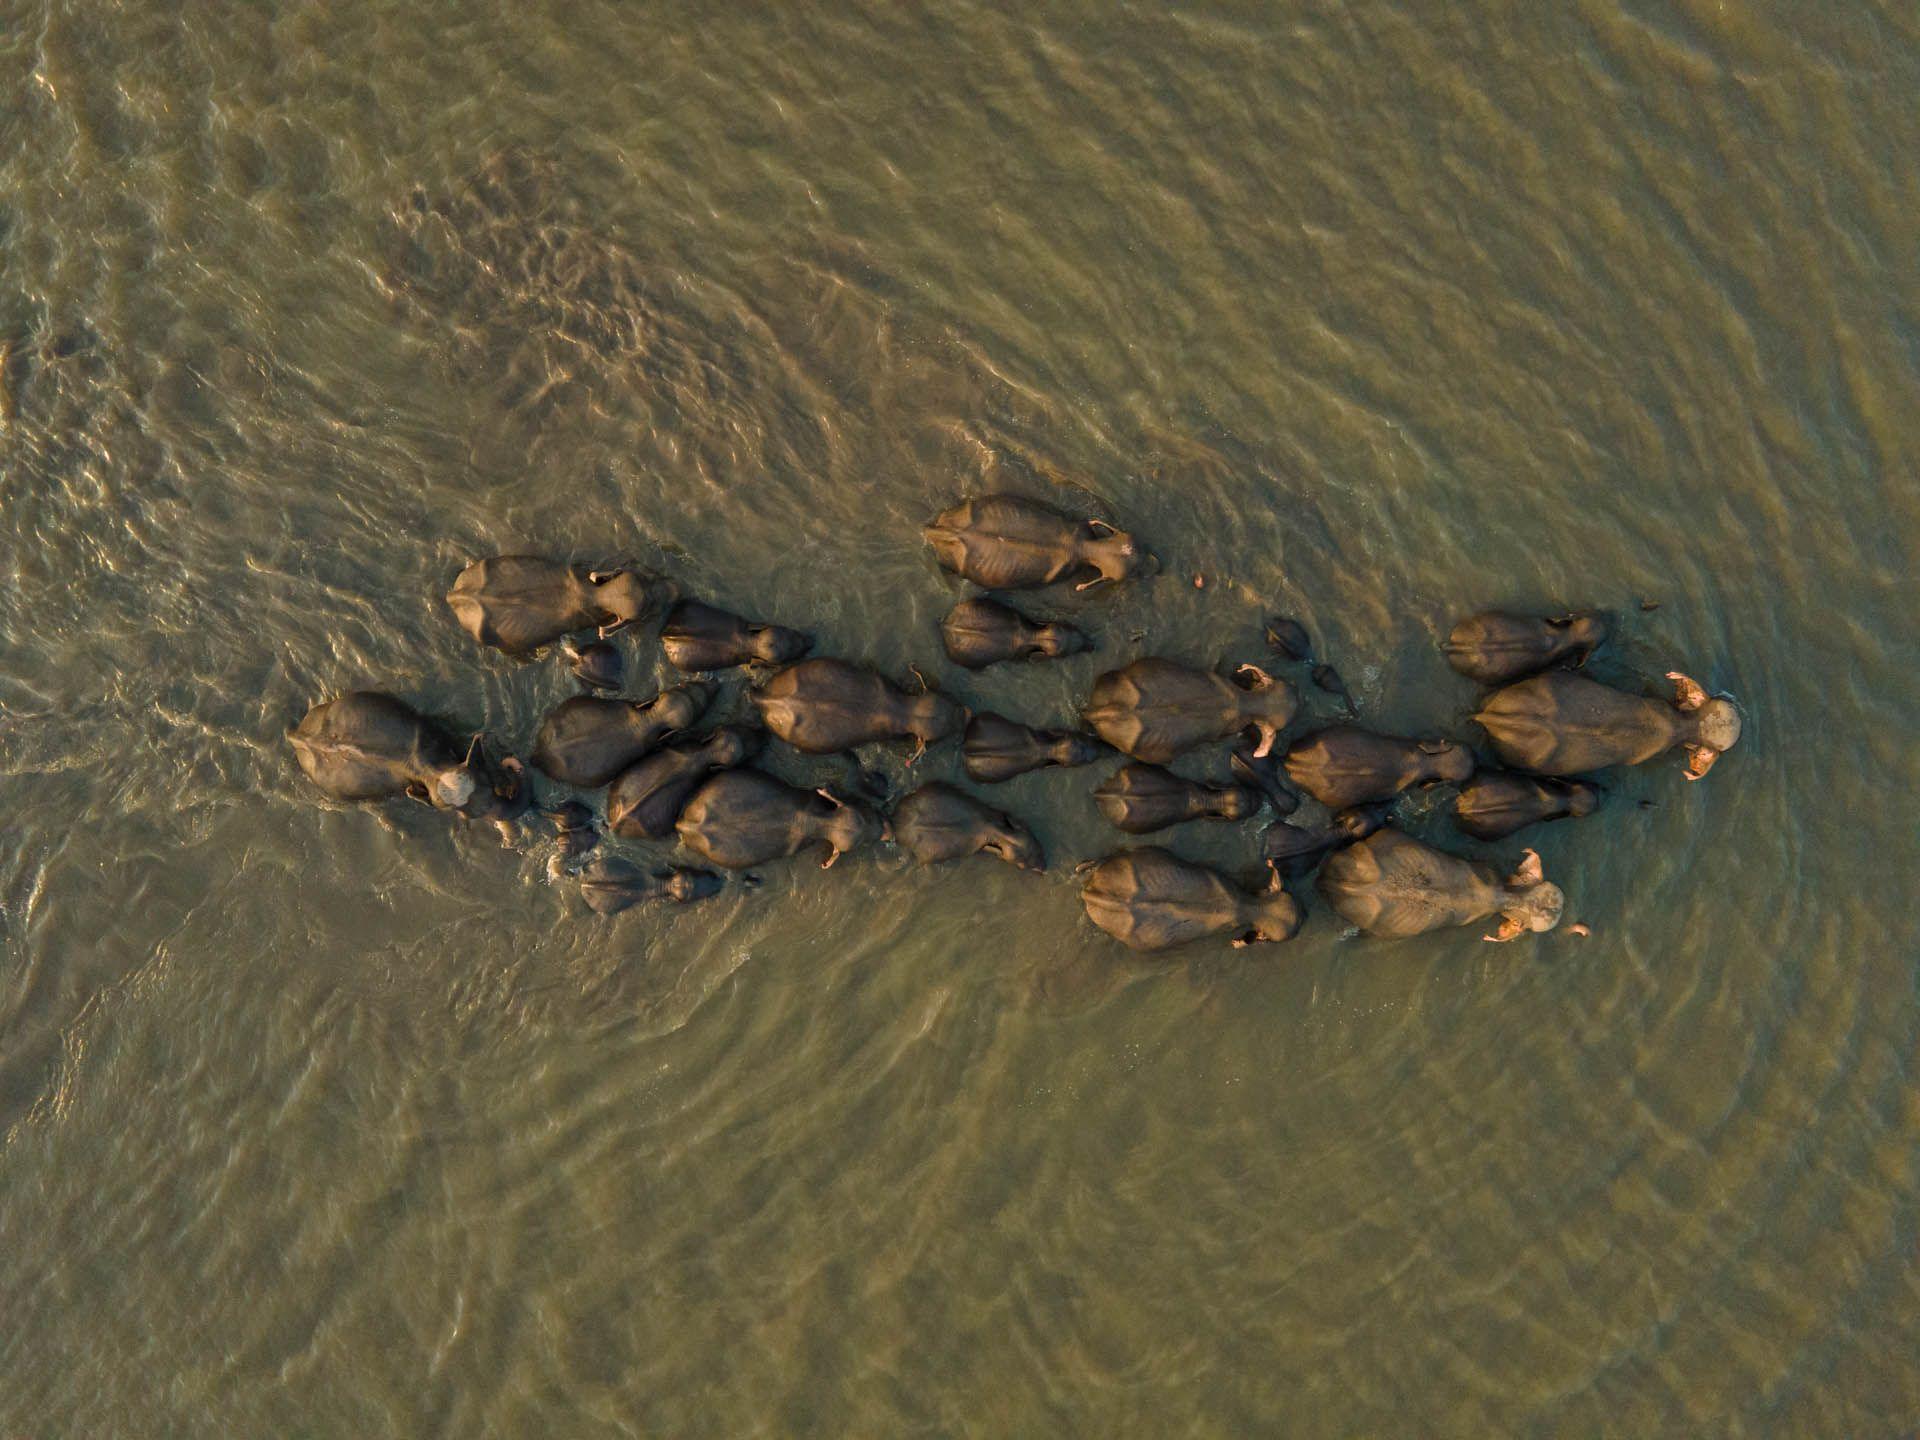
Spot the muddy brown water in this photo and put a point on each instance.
(326, 1120)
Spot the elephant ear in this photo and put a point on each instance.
(1434, 747)
(1529, 872)
(1688, 694)
(1101, 527)
(1252, 677)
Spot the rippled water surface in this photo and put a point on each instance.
(331, 1120)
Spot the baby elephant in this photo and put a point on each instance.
(1139, 798)
(825, 706)
(1296, 849)
(1565, 724)
(996, 749)
(645, 802)
(1007, 542)
(1495, 647)
(1155, 708)
(700, 637)
(586, 741)
(1392, 885)
(1150, 900)
(937, 823)
(367, 745)
(1492, 807)
(610, 885)
(978, 633)
(521, 602)
(1345, 765)
(743, 817)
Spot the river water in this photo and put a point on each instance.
(334, 1120)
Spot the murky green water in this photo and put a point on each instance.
(336, 1121)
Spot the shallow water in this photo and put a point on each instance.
(329, 1120)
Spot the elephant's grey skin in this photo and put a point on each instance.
(1007, 542)
(1295, 850)
(519, 603)
(1560, 723)
(1344, 765)
(1495, 647)
(743, 817)
(1140, 798)
(1494, 806)
(700, 637)
(938, 823)
(996, 748)
(366, 745)
(980, 632)
(587, 740)
(1151, 900)
(823, 706)
(1393, 885)
(647, 798)
(609, 884)
(1155, 708)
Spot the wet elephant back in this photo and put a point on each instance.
(1564, 724)
(1491, 807)
(1348, 766)
(1003, 542)
(742, 817)
(937, 823)
(1150, 900)
(1155, 708)
(368, 745)
(521, 602)
(824, 706)
(587, 741)
(1494, 648)
(1392, 885)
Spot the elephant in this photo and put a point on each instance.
(1151, 900)
(1344, 765)
(649, 794)
(1155, 708)
(699, 637)
(1008, 542)
(981, 632)
(1494, 647)
(1296, 849)
(995, 748)
(739, 818)
(937, 823)
(519, 603)
(609, 885)
(587, 740)
(1392, 885)
(823, 706)
(1492, 807)
(1560, 723)
(1139, 798)
(366, 745)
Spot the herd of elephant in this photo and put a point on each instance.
(664, 778)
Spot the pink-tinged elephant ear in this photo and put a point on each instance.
(1700, 760)
(1101, 527)
(1687, 694)
(1252, 677)
(1510, 929)
(1529, 872)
